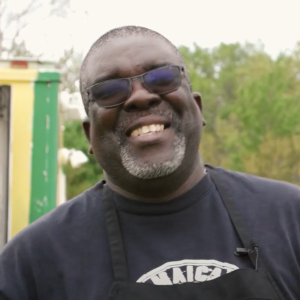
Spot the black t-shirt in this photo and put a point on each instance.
(65, 254)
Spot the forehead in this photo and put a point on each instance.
(126, 57)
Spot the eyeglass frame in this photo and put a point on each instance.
(181, 69)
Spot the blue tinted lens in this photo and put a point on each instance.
(111, 92)
(163, 80)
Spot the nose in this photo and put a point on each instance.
(140, 98)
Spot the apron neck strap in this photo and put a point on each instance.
(119, 261)
(224, 188)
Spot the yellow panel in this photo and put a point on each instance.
(8, 76)
(22, 103)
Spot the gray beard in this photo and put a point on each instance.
(154, 170)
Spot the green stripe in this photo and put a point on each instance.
(45, 144)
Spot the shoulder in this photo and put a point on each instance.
(80, 212)
(255, 187)
(265, 202)
(272, 190)
(271, 212)
(76, 211)
(51, 238)
(267, 205)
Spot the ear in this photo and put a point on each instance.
(198, 99)
(86, 124)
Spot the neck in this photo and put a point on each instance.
(162, 190)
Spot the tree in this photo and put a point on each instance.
(12, 23)
(252, 107)
(270, 126)
(69, 65)
(213, 72)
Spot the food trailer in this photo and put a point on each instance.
(30, 137)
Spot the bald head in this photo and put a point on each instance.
(121, 32)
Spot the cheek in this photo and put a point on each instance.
(188, 109)
(103, 122)
(105, 145)
(184, 104)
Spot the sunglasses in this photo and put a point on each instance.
(114, 92)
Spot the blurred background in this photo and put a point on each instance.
(243, 56)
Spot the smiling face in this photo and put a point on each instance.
(149, 137)
(154, 145)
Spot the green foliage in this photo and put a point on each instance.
(252, 108)
(88, 174)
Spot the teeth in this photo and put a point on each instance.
(144, 130)
(135, 133)
(152, 128)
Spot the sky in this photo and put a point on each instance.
(275, 23)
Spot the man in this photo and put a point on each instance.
(162, 225)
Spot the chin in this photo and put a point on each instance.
(152, 170)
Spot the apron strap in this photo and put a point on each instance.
(223, 186)
(119, 261)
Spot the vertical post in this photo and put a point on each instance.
(44, 145)
(4, 162)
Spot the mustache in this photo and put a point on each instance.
(169, 113)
